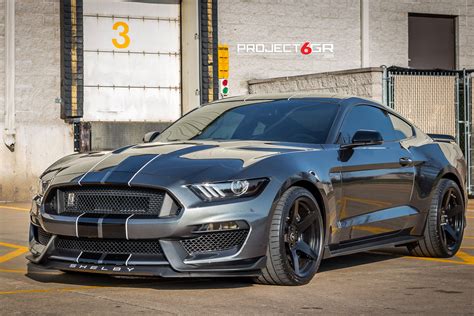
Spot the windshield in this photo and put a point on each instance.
(298, 120)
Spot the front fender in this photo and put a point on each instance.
(323, 193)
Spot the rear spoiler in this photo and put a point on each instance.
(442, 138)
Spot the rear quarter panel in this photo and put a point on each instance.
(433, 161)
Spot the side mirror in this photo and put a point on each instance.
(364, 138)
(150, 136)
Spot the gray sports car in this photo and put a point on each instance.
(254, 186)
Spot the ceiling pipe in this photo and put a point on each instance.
(9, 129)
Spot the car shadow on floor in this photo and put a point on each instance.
(362, 258)
(101, 280)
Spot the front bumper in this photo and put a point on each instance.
(246, 268)
(182, 252)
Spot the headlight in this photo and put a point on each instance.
(43, 185)
(230, 189)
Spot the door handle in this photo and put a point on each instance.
(405, 161)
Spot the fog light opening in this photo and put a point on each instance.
(222, 226)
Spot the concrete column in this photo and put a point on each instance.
(190, 59)
(9, 132)
(364, 34)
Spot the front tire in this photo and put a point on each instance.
(445, 223)
(295, 246)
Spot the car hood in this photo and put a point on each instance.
(186, 162)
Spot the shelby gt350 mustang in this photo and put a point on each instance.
(255, 186)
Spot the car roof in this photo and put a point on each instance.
(336, 98)
(291, 95)
(346, 100)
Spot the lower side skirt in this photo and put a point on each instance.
(371, 243)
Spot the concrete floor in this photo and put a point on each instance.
(386, 282)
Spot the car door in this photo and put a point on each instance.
(377, 180)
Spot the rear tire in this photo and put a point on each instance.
(295, 246)
(445, 223)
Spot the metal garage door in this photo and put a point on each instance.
(132, 60)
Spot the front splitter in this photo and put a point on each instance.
(155, 271)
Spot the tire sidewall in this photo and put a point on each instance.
(444, 186)
(290, 197)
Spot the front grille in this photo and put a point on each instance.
(215, 241)
(108, 246)
(107, 200)
(43, 236)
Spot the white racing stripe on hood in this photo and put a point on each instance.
(139, 170)
(93, 167)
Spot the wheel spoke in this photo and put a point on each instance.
(301, 235)
(296, 210)
(454, 211)
(448, 199)
(306, 222)
(449, 229)
(306, 249)
(296, 261)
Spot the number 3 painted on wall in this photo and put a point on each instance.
(123, 34)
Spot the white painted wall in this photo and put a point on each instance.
(41, 137)
(337, 21)
(289, 21)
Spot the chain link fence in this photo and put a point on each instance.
(436, 101)
(468, 125)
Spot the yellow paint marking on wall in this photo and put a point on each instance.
(14, 208)
(468, 237)
(467, 247)
(223, 61)
(122, 33)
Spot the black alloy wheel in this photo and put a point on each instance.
(303, 239)
(445, 223)
(451, 219)
(296, 239)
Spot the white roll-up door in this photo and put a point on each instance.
(132, 60)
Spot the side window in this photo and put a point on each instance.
(367, 118)
(402, 129)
